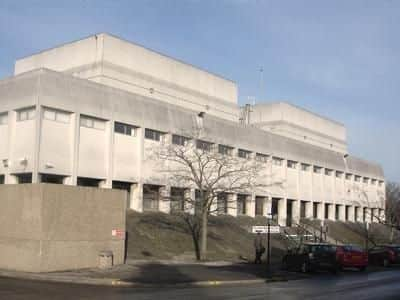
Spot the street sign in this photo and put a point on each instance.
(264, 229)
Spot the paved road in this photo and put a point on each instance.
(354, 286)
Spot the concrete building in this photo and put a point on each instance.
(88, 113)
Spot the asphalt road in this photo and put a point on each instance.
(350, 285)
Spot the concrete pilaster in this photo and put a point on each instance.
(136, 197)
(320, 211)
(351, 216)
(309, 210)
(331, 212)
(282, 211)
(251, 205)
(342, 213)
(296, 211)
(232, 204)
(267, 206)
(165, 201)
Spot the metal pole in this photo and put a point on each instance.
(269, 246)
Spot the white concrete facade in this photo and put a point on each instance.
(58, 126)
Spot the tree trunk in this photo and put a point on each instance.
(203, 232)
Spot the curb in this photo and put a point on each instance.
(113, 282)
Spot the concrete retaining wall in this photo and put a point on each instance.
(45, 227)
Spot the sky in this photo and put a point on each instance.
(340, 59)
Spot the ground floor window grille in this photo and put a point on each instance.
(177, 199)
(241, 204)
(222, 203)
(151, 197)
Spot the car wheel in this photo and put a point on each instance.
(385, 262)
(304, 267)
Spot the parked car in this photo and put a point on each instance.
(384, 255)
(311, 257)
(349, 256)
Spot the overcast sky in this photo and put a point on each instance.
(340, 59)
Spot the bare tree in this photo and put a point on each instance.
(213, 174)
(392, 209)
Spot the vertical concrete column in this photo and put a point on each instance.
(342, 213)
(75, 134)
(296, 211)
(136, 197)
(109, 152)
(267, 206)
(214, 207)
(332, 212)
(165, 200)
(190, 198)
(351, 210)
(321, 211)
(309, 210)
(282, 211)
(232, 204)
(12, 120)
(251, 205)
(38, 134)
(105, 184)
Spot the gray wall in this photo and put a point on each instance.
(46, 227)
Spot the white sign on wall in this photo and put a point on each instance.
(264, 229)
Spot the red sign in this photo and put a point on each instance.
(118, 233)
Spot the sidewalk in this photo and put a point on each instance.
(136, 273)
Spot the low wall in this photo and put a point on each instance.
(46, 227)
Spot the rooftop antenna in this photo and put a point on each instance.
(261, 70)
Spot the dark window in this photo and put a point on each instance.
(225, 150)
(262, 157)
(291, 164)
(222, 203)
(328, 172)
(259, 206)
(151, 197)
(244, 153)
(50, 178)
(315, 210)
(317, 170)
(241, 204)
(337, 209)
(24, 178)
(177, 199)
(203, 145)
(305, 167)
(339, 174)
(153, 134)
(2, 179)
(91, 182)
(326, 211)
(124, 129)
(179, 140)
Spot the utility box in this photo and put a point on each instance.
(105, 260)
(52, 227)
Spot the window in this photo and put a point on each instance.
(277, 161)
(317, 169)
(262, 157)
(244, 153)
(357, 178)
(366, 180)
(56, 115)
(154, 135)
(179, 140)
(225, 150)
(91, 122)
(203, 145)
(26, 114)
(3, 119)
(339, 174)
(124, 129)
(305, 167)
(380, 182)
(292, 164)
(328, 172)
(349, 176)
(373, 181)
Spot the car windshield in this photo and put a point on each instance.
(352, 248)
(322, 248)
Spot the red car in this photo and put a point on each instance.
(349, 256)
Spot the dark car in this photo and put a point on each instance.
(384, 255)
(349, 256)
(311, 257)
